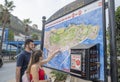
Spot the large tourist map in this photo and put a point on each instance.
(81, 26)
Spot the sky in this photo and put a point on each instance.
(35, 9)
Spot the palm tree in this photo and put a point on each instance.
(117, 17)
(35, 26)
(35, 36)
(7, 7)
(27, 22)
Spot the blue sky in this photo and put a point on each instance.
(35, 9)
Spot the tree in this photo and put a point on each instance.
(7, 7)
(59, 76)
(35, 26)
(117, 19)
(11, 35)
(34, 36)
(117, 15)
(1, 9)
(27, 22)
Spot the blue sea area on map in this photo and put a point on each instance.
(61, 61)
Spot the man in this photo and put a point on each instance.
(23, 59)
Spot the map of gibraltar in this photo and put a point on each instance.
(70, 36)
(83, 29)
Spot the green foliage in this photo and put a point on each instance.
(118, 70)
(5, 14)
(27, 21)
(11, 35)
(108, 43)
(117, 15)
(5, 20)
(59, 76)
(117, 19)
(34, 36)
(1, 14)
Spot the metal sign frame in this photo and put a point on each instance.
(104, 37)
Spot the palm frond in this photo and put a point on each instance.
(10, 4)
(6, 2)
(27, 21)
(11, 8)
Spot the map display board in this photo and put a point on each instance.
(83, 25)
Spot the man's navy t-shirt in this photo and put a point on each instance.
(22, 61)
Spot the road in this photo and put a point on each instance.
(7, 72)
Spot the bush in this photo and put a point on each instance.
(59, 76)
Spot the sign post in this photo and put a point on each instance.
(42, 36)
(104, 40)
(113, 55)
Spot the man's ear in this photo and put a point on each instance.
(26, 45)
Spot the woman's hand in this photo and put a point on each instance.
(50, 56)
(53, 52)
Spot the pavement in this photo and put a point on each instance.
(12, 80)
(47, 71)
(69, 78)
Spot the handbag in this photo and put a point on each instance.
(25, 78)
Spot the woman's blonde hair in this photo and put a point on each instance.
(34, 59)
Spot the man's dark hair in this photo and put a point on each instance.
(27, 41)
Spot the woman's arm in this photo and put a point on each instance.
(35, 75)
(50, 56)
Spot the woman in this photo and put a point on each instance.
(35, 69)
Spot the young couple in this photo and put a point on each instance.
(31, 61)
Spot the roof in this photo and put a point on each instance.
(83, 46)
(69, 8)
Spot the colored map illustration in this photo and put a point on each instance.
(86, 28)
(70, 36)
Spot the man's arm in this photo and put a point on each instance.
(18, 74)
(19, 65)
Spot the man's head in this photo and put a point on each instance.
(29, 44)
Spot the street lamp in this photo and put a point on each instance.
(42, 36)
(113, 54)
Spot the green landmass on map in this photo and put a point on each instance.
(72, 33)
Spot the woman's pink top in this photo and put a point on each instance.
(41, 74)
